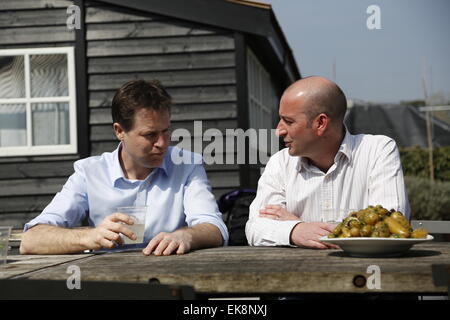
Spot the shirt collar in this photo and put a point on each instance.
(116, 169)
(345, 149)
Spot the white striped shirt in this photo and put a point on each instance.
(366, 171)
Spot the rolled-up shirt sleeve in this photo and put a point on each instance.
(69, 206)
(199, 203)
(271, 191)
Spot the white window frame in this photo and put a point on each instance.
(30, 150)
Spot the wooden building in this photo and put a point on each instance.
(225, 62)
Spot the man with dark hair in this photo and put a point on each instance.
(183, 213)
(323, 171)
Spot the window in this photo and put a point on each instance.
(37, 102)
(263, 100)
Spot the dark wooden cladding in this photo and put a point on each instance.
(167, 78)
(205, 94)
(31, 18)
(105, 15)
(97, 148)
(36, 35)
(130, 47)
(204, 111)
(42, 169)
(33, 4)
(107, 31)
(25, 204)
(38, 186)
(50, 158)
(180, 61)
(207, 111)
(17, 219)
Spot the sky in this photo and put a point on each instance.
(376, 65)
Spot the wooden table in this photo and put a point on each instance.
(249, 270)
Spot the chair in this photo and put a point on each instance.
(235, 205)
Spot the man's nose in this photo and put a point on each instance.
(280, 130)
(162, 140)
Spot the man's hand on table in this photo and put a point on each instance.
(107, 234)
(178, 242)
(304, 234)
(307, 234)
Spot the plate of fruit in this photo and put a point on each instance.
(376, 232)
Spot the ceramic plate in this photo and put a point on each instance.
(375, 247)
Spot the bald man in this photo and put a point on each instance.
(323, 171)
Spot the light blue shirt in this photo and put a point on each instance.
(178, 195)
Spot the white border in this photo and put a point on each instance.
(29, 150)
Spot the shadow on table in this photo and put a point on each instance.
(409, 254)
(12, 260)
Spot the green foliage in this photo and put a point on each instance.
(415, 162)
(428, 200)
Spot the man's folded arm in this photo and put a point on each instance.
(271, 191)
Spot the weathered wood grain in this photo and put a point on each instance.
(235, 270)
(207, 111)
(140, 29)
(17, 187)
(130, 47)
(42, 169)
(20, 264)
(34, 35)
(32, 18)
(105, 14)
(24, 203)
(50, 158)
(223, 179)
(168, 78)
(197, 60)
(210, 94)
(17, 219)
(33, 4)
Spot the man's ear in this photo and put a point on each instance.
(322, 123)
(118, 130)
